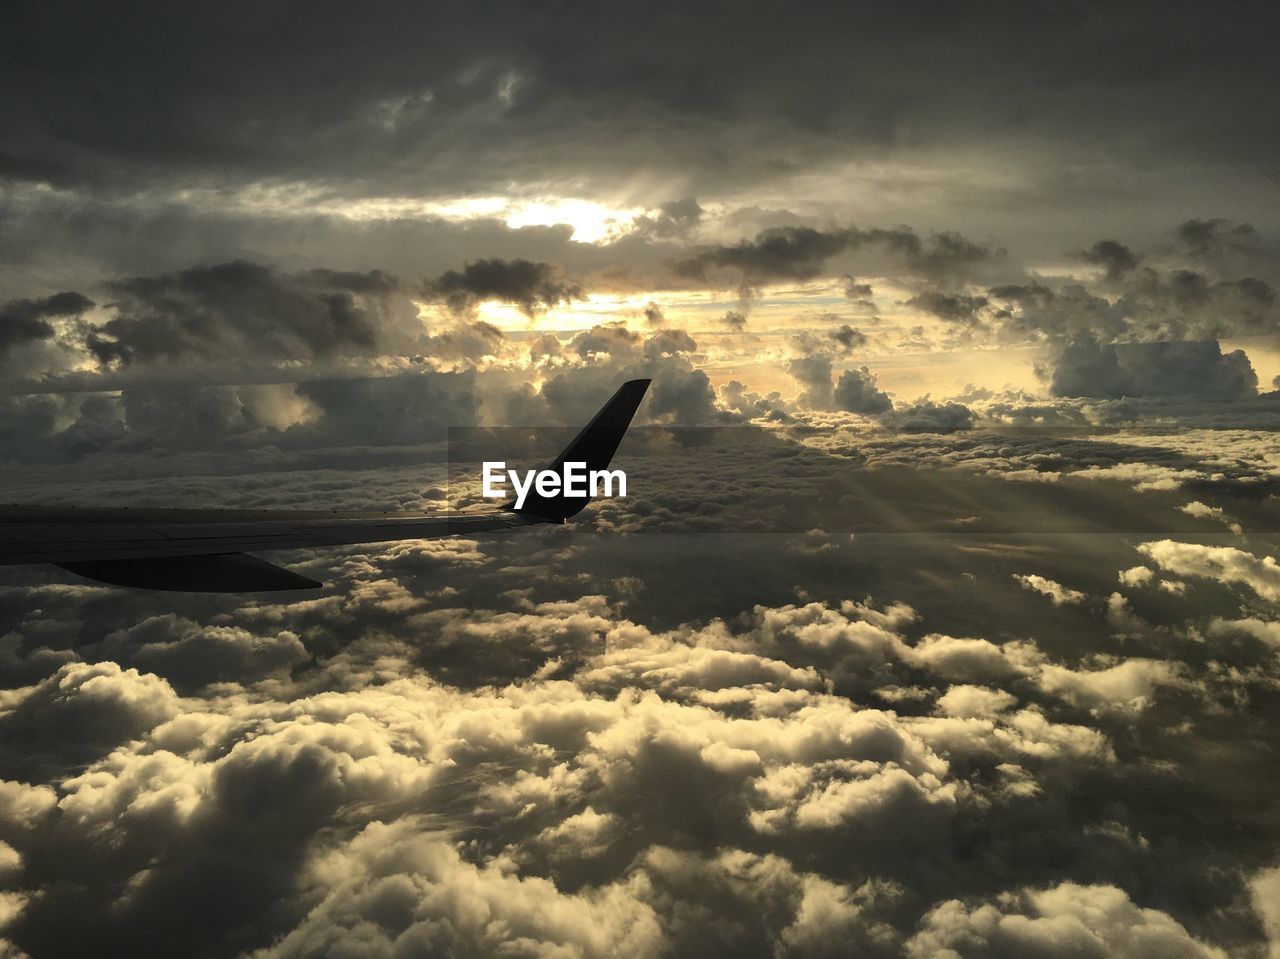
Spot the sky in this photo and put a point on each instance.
(942, 617)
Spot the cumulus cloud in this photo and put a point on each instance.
(391, 888)
(1126, 687)
(856, 391)
(813, 372)
(246, 310)
(928, 416)
(1088, 368)
(833, 749)
(1223, 564)
(1058, 594)
(1067, 920)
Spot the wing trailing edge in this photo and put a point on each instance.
(219, 573)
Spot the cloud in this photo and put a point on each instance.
(396, 786)
(1212, 238)
(968, 702)
(956, 308)
(1136, 576)
(529, 286)
(404, 409)
(188, 655)
(1058, 594)
(673, 219)
(927, 416)
(1127, 687)
(82, 711)
(856, 391)
(27, 321)
(1114, 257)
(1264, 888)
(246, 310)
(669, 342)
(393, 888)
(790, 253)
(813, 372)
(1068, 920)
(1089, 368)
(848, 338)
(1223, 564)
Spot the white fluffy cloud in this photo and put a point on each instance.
(1058, 594)
(1225, 564)
(1068, 921)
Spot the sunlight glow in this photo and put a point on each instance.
(591, 221)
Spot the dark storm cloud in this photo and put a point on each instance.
(802, 253)
(1114, 257)
(243, 310)
(27, 321)
(952, 307)
(1217, 238)
(524, 284)
(673, 219)
(848, 338)
(793, 253)
(1032, 310)
(1143, 303)
(471, 97)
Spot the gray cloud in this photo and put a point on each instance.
(952, 307)
(26, 321)
(801, 253)
(1089, 368)
(244, 310)
(857, 392)
(1114, 257)
(524, 284)
(928, 416)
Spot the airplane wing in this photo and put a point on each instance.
(209, 550)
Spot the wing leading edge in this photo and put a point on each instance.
(207, 550)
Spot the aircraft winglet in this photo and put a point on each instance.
(594, 446)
